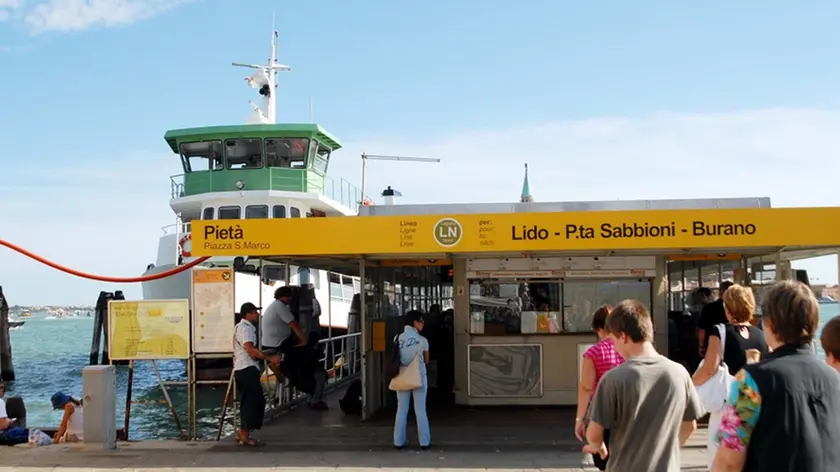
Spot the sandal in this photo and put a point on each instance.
(251, 442)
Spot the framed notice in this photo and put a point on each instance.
(213, 310)
(148, 330)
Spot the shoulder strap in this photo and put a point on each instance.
(722, 329)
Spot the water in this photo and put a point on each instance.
(49, 355)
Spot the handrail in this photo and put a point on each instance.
(337, 189)
(352, 367)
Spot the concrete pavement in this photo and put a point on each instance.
(171, 455)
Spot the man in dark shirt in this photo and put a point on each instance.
(712, 314)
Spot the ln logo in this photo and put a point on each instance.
(448, 232)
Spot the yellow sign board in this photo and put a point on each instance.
(704, 257)
(148, 330)
(415, 262)
(519, 232)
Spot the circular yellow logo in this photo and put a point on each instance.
(448, 232)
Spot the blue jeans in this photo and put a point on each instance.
(400, 422)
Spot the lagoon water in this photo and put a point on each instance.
(49, 355)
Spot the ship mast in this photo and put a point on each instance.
(264, 79)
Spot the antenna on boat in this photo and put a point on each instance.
(265, 79)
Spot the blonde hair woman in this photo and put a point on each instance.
(740, 336)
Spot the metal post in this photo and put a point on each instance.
(364, 168)
(362, 349)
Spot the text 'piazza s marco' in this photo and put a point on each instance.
(631, 231)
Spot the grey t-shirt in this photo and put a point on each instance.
(643, 402)
(274, 325)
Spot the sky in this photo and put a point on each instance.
(604, 100)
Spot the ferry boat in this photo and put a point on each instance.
(261, 169)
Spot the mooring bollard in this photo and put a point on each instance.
(7, 370)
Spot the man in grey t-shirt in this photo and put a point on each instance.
(648, 403)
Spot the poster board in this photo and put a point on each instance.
(213, 310)
(148, 330)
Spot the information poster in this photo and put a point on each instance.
(149, 329)
(213, 310)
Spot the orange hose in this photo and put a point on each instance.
(102, 278)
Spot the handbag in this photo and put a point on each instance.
(715, 391)
(408, 378)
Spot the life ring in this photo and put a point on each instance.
(187, 238)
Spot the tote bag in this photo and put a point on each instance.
(408, 378)
(714, 392)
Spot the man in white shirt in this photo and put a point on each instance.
(246, 371)
(5, 422)
(278, 322)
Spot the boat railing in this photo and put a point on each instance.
(342, 361)
(279, 178)
(176, 228)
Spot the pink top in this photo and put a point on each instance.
(605, 357)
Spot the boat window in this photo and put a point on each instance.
(294, 212)
(207, 214)
(287, 153)
(335, 286)
(230, 213)
(322, 158)
(202, 156)
(256, 211)
(278, 211)
(273, 273)
(243, 153)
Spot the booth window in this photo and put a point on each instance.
(230, 212)
(499, 307)
(201, 156)
(256, 211)
(581, 299)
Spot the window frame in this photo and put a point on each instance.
(274, 211)
(185, 160)
(263, 206)
(212, 213)
(229, 207)
(227, 163)
(306, 145)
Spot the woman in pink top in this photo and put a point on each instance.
(597, 360)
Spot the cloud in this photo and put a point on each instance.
(7, 8)
(110, 220)
(789, 155)
(80, 15)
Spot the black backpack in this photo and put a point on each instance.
(351, 402)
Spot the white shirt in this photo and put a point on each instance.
(274, 326)
(244, 332)
(77, 423)
(3, 413)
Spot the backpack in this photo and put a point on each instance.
(392, 362)
(351, 402)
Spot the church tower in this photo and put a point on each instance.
(526, 189)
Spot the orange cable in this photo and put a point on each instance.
(102, 278)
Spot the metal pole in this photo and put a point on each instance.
(364, 167)
(363, 347)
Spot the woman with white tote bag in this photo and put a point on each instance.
(726, 355)
(411, 382)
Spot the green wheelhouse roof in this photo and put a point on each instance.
(283, 130)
